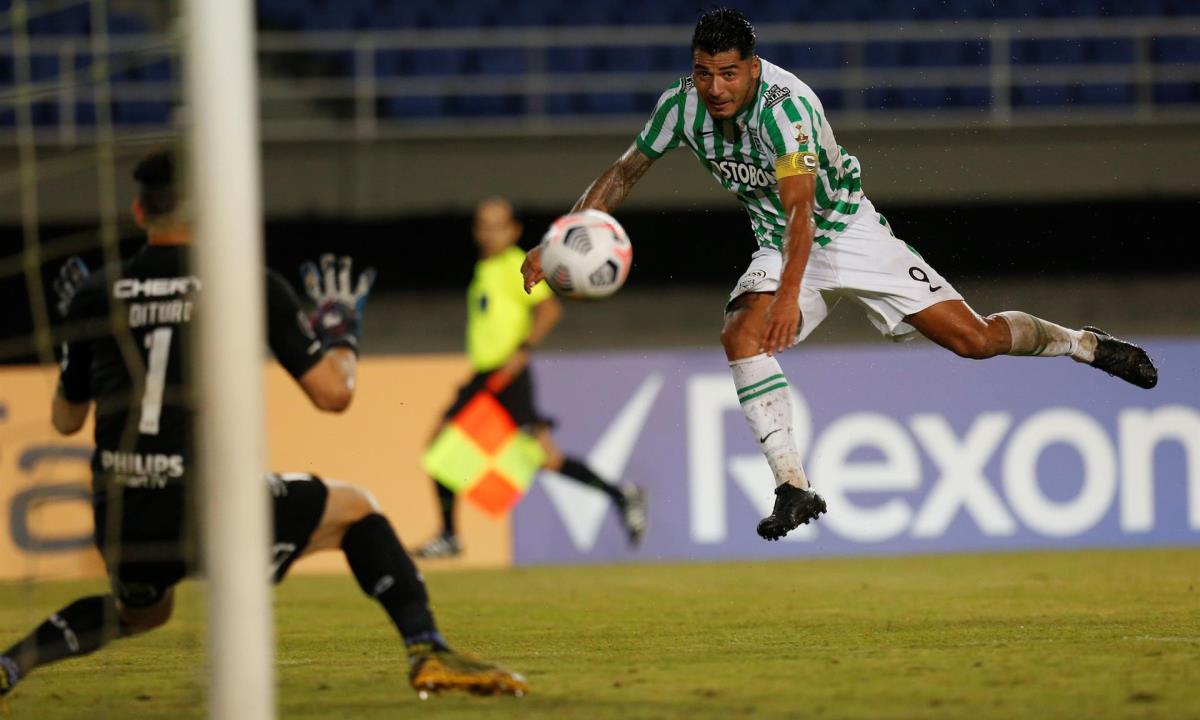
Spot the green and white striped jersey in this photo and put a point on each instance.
(783, 127)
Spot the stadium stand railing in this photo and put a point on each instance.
(498, 81)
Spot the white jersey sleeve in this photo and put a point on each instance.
(790, 131)
(664, 129)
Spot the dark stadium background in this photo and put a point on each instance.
(981, 242)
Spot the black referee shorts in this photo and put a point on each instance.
(154, 548)
(517, 399)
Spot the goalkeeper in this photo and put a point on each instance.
(143, 462)
(504, 325)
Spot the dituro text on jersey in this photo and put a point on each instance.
(158, 312)
(169, 312)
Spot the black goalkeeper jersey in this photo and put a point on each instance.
(128, 329)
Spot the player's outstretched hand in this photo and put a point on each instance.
(531, 269)
(71, 277)
(781, 326)
(340, 302)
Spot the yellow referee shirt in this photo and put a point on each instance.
(499, 315)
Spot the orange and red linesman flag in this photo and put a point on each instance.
(482, 454)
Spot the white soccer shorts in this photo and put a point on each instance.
(865, 263)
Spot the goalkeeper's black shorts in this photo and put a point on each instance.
(154, 544)
(517, 399)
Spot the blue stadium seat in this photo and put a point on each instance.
(1176, 93)
(793, 57)
(1040, 95)
(883, 54)
(43, 67)
(905, 98)
(1176, 50)
(413, 107)
(613, 103)
(494, 61)
(1104, 94)
(570, 60)
(1109, 50)
(70, 20)
(1047, 52)
(127, 24)
(44, 113)
(280, 14)
(486, 106)
(560, 104)
(141, 113)
(433, 62)
(625, 59)
(85, 114)
(947, 54)
(670, 58)
(832, 98)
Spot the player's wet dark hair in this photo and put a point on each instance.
(721, 29)
(155, 174)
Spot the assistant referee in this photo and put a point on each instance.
(504, 326)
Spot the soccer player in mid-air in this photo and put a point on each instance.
(504, 326)
(763, 134)
(144, 457)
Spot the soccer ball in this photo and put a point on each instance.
(586, 255)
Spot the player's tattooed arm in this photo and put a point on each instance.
(614, 184)
(606, 193)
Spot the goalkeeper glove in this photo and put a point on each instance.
(337, 319)
(71, 277)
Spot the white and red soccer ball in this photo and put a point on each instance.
(586, 255)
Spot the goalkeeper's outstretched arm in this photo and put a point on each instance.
(330, 383)
(321, 351)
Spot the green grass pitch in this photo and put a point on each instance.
(1094, 634)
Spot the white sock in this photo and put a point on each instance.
(767, 404)
(1034, 336)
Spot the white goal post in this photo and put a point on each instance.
(223, 162)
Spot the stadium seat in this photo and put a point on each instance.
(1047, 52)
(486, 106)
(1176, 93)
(560, 104)
(625, 59)
(1104, 94)
(613, 103)
(413, 107)
(1040, 95)
(570, 60)
(43, 68)
(1176, 50)
(1110, 50)
(832, 98)
(905, 98)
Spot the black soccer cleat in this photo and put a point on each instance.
(793, 507)
(1123, 360)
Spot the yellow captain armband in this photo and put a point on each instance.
(797, 163)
